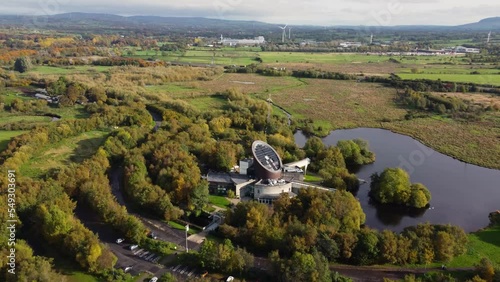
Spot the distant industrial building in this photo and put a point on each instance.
(259, 40)
(462, 49)
(350, 44)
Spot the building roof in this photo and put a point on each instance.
(220, 177)
(229, 178)
(266, 156)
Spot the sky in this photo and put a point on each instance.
(308, 12)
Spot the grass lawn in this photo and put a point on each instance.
(74, 112)
(312, 178)
(8, 94)
(175, 225)
(8, 118)
(484, 243)
(219, 201)
(55, 156)
(78, 276)
(208, 103)
(5, 137)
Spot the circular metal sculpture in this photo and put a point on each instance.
(267, 162)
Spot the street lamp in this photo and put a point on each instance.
(187, 229)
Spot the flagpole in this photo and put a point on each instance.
(187, 229)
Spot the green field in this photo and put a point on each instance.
(208, 103)
(73, 112)
(8, 94)
(6, 136)
(60, 154)
(6, 118)
(484, 243)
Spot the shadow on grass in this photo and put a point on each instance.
(4, 144)
(85, 149)
(490, 235)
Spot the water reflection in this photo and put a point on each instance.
(462, 194)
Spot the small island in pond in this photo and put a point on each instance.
(393, 186)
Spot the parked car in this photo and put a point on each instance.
(126, 269)
(119, 240)
(229, 279)
(154, 279)
(152, 235)
(133, 247)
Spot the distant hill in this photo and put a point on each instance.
(492, 24)
(94, 22)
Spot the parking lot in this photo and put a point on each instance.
(146, 255)
(183, 272)
(139, 259)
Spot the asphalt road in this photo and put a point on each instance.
(160, 228)
(108, 235)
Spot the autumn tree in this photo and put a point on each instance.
(224, 257)
(302, 267)
(23, 64)
(485, 270)
(393, 187)
(355, 152)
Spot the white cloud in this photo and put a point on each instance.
(322, 12)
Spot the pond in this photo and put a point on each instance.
(462, 194)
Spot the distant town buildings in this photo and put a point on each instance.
(259, 40)
(349, 44)
(461, 49)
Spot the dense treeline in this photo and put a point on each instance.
(330, 224)
(441, 104)
(47, 205)
(311, 73)
(330, 164)
(356, 152)
(119, 61)
(224, 257)
(428, 85)
(393, 186)
(48, 212)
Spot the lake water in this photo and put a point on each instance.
(462, 194)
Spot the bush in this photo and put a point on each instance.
(23, 64)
